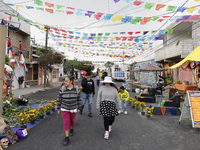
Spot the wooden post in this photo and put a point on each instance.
(32, 73)
(3, 33)
(51, 75)
(41, 75)
(57, 75)
(38, 74)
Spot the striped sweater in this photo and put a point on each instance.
(69, 98)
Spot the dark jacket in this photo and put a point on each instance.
(88, 86)
(69, 99)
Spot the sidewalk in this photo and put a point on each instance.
(34, 89)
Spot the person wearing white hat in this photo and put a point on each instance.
(106, 103)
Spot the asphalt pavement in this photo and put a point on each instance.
(129, 132)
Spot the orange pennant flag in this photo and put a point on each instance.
(163, 109)
(49, 10)
(159, 6)
(49, 4)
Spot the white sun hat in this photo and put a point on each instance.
(107, 80)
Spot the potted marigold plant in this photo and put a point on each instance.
(48, 109)
(41, 111)
(53, 103)
(143, 105)
(149, 111)
(133, 103)
(32, 116)
(137, 105)
(23, 119)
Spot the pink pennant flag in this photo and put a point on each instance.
(98, 15)
(166, 16)
(137, 3)
(124, 38)
(137, 32)
(63, 30)
(188, 20)
(130, 38)
(70, 8)
(195, 17)
(57, 32)
(160, 20)
(69, 12)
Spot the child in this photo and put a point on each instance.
(124, 97)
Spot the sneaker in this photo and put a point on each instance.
(71, 132)
(90, 114)
(125, 112)
(66, 141)
(110, 128)
(81, 112)
(106, 135)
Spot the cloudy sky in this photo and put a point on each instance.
(86, 24)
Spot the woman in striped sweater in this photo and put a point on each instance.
(69, 102)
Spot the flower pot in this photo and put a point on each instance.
(41, 117)
(32, 121)
(53, 109)
(48, 113)
(137, 108)
(23, 126)
(133, 106)
(148, 116)
(143, 113)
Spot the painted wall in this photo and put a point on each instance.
(19, 71)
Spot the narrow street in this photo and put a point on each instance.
(131, 131)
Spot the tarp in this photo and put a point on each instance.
(149, 67)
(193, 56)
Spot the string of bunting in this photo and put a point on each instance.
(99, 15)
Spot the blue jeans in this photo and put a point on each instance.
(84, 99)
(122, 102)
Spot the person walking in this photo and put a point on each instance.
(124, 97)
(88, 92)
(97, 79)
(69, 103)
(106, 103)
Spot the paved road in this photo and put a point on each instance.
(130, 132)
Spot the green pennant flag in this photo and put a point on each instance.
(60, 10)
(170, 31)
(136, 20)
(38, 2)
(20, 17)
(98, 38)
(171, 8)
(37, 26)
(153, 31)
(128, 43)
(148, 5)
(38, 8)
(64, 39)
(117, 42)
(60, 6)
(154, 18)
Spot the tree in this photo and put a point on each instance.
(69, 65)
(49, 59)
(85, 65)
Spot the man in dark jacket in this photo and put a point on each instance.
(88, 92)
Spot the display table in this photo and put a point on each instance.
(186, 88)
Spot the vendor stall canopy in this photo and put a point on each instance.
(149, 67)
(193, 56)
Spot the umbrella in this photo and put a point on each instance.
(83, 72)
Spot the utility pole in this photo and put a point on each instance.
(45, 66)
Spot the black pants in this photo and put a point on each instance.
(98, 82)
(108, 121)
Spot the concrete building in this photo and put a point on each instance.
(18, 30)
(176, 46)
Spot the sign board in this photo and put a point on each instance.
(191, 108)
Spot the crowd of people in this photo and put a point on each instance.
(70, 101)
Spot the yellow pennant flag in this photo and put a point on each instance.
(197, 0)
(190, 10)
(38, 23)
(43, 28)
(117, 18)
(20, 6)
